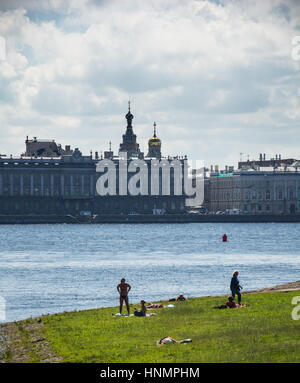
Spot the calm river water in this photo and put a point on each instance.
(54, 268)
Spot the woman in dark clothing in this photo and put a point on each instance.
(142, 312)
(235, 286)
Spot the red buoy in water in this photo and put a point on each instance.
(224, 238)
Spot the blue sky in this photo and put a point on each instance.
(216, 76)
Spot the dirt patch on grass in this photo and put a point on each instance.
(291, 286)
(25, 342)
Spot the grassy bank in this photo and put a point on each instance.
(262, 332)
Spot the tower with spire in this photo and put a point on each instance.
(109, 153)
(129, 143)
(154, 145)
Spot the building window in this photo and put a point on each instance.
(280, 194)
(268, 207)
(268, 194)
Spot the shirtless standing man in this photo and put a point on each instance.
(123, 289)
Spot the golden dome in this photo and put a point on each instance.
(154, 140)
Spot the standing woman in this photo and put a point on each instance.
(235, 286)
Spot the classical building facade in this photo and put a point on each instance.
(48, 180)
(254, 192)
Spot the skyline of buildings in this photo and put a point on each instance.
(42, 147)
(50, 180)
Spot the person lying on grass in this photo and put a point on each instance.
(154, 305)
(142, 312)
(179, 298)
(169, 340)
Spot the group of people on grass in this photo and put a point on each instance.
(124, 288)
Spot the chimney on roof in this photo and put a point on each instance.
(264, 156)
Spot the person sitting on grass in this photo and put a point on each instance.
(181, 298)
(142, 312)
(230, 304)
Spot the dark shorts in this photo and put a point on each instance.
(139, 314)
(123, 296)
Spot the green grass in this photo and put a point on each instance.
(262, 332)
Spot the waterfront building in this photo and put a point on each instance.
(50, 180)
(263, 162)
(255, 191)
(44, 148)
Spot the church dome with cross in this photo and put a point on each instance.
(154, 145)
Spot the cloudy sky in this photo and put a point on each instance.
(218, 77)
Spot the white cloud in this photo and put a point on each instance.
(209, 73)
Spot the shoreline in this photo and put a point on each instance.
(285, 287)
(147, 219)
